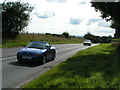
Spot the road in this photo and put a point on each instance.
(15, 74)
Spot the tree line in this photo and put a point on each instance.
(98, 39)
(64, 34)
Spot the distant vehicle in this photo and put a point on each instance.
(36, 51)
(87, 42)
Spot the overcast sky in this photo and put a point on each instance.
(77, 17)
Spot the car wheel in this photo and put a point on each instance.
(53, 57)
(44, 59)
(20, 61)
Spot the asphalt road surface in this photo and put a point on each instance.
(15, 74)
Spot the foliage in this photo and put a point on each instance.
(65, 34)
(106, 39)
(109, 11)
(98, 39)
(16, 16)
(61, 35)
(89, 36)
(97, 67)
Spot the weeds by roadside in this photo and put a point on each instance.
(24, 39)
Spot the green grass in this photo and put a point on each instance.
(96, 67)
(24, 39)
(0, 45)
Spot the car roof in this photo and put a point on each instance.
(40, 42)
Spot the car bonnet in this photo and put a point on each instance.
(33, 50)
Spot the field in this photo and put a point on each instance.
(96, 67)
(24, 39)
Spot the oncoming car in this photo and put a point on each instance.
(36, 51)
(87, 42)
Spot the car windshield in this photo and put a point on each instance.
(36, 45)
(87, 41)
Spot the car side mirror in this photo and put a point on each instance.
(48, 47)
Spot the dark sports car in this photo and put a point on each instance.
(36, 51)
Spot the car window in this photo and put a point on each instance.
(36, 45)
(87, 40)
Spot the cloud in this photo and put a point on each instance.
(36, 13)
(82, 2)
(58, 1)
(99, 22)
(46, 14)
(104, 24)
(75, 20)
(104, 0)
(104, 31)
(93, 20)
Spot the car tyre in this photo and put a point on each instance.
(44, 59)
(53, 56)
(20, 61)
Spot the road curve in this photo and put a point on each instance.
(15, 74)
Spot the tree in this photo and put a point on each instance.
(109, 12)
(106, 39)
(65, 34)
(97, 39)
(89, 36)
(15, 17)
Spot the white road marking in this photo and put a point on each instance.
(7, 58)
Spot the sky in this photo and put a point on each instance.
(76, 17)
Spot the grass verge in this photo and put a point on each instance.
(96, 67)
(24, 39)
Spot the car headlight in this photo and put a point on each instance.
(19, 52)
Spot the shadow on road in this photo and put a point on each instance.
(25, 64)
